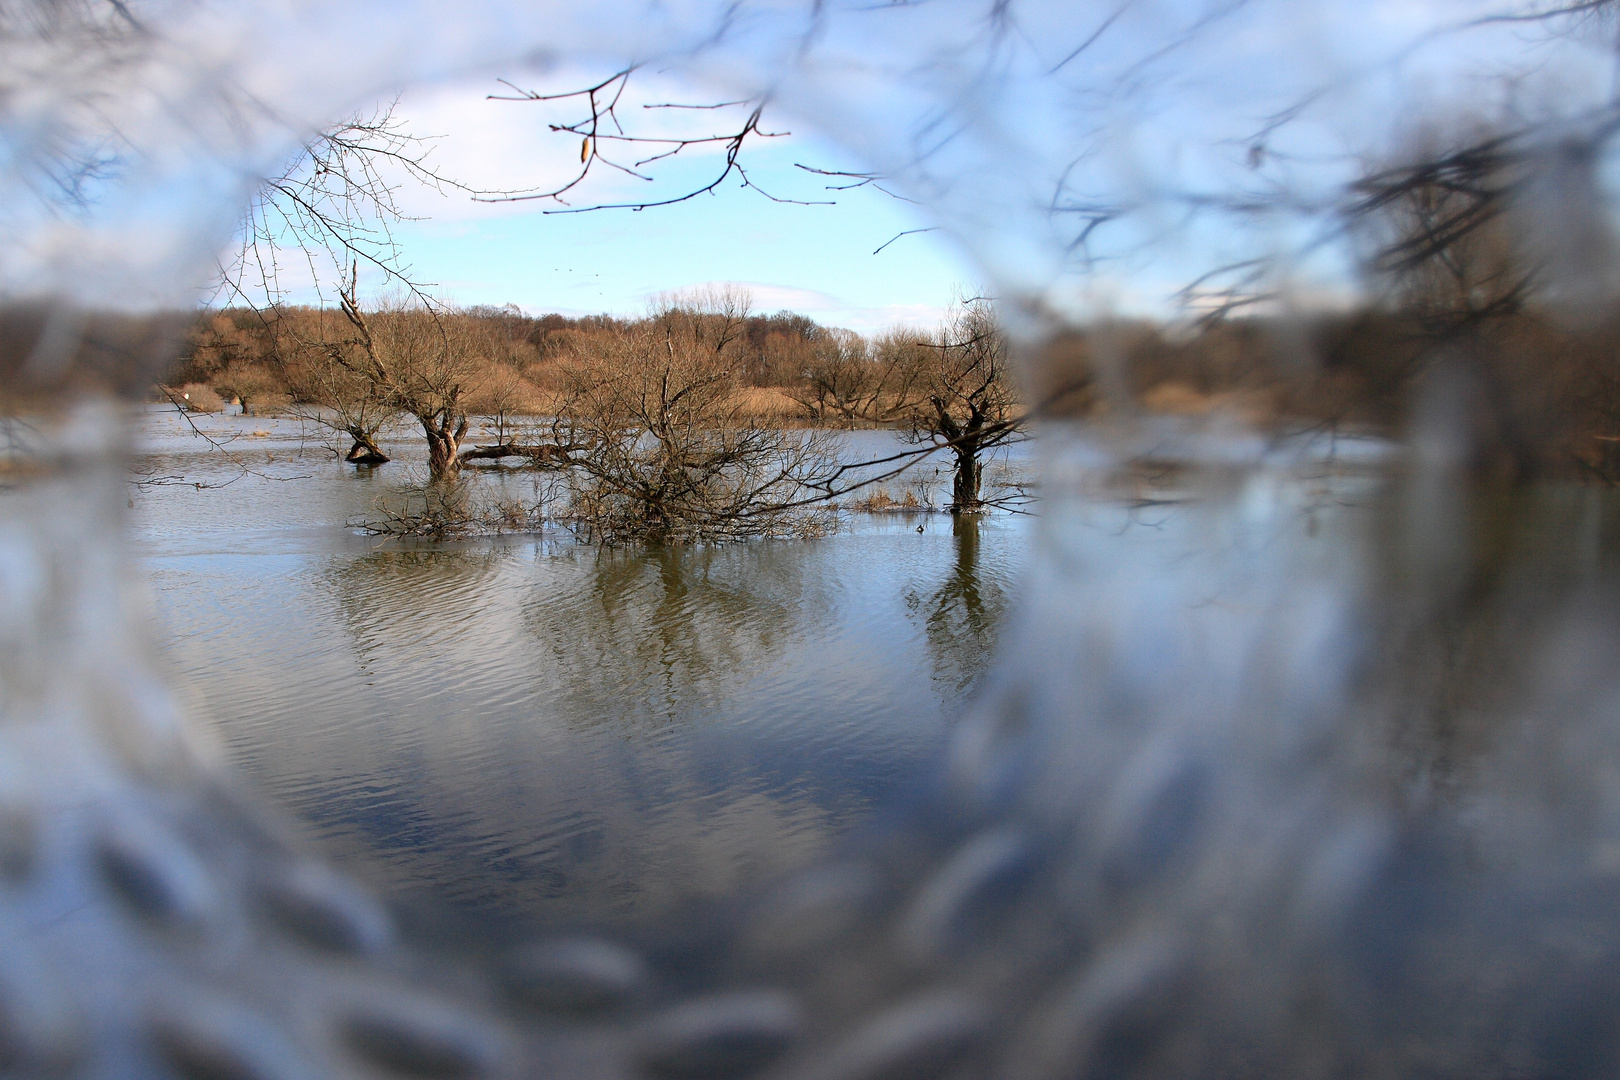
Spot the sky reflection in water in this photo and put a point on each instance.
(536, 731)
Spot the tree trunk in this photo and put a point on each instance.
(541, 455)
(965, 486)
(364, 451)
(444, 449)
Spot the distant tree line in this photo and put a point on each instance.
(698, 420)
(1546, 389)
(357, 368)
(1539, 395)
(243, 352)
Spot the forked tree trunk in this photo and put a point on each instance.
(965, 486)
(365, 450)
(444, 448)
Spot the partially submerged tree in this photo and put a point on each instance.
(405, 357)
(418, 360)
(953, 391)
(964, 397)
(669, 455)
(332, 210)
(499, 394)
(333, 390)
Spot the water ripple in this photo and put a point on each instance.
(535, 731)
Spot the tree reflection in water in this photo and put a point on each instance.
(405, 598)
(656, 635)
(553, 732)
(962, 617)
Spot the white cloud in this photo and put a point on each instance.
(870, 320)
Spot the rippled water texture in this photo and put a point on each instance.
(536, 730)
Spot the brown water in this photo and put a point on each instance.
(530, 729)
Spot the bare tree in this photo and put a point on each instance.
(499, 395)
(1476, 285)
(419, 359)
(850, 379)
(241, 362)
(333, 209)
(670, 456)
(332, 387)
(965, 400)
(405, 357)
(713, 318)
(1440, 230)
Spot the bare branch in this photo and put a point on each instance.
(904, 232)
(242, 467)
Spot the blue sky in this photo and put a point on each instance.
(1232, 145)
(821, 260)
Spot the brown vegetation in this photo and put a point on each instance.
(1544, 395)
(669, 452)
(881, 501)
(740, 379)
(49, 354)
(515, 366)
(195, 397)
(1549, 389)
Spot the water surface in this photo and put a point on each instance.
(534, 730)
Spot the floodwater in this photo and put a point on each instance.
(529, 731)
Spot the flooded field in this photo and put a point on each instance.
(537, 731)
